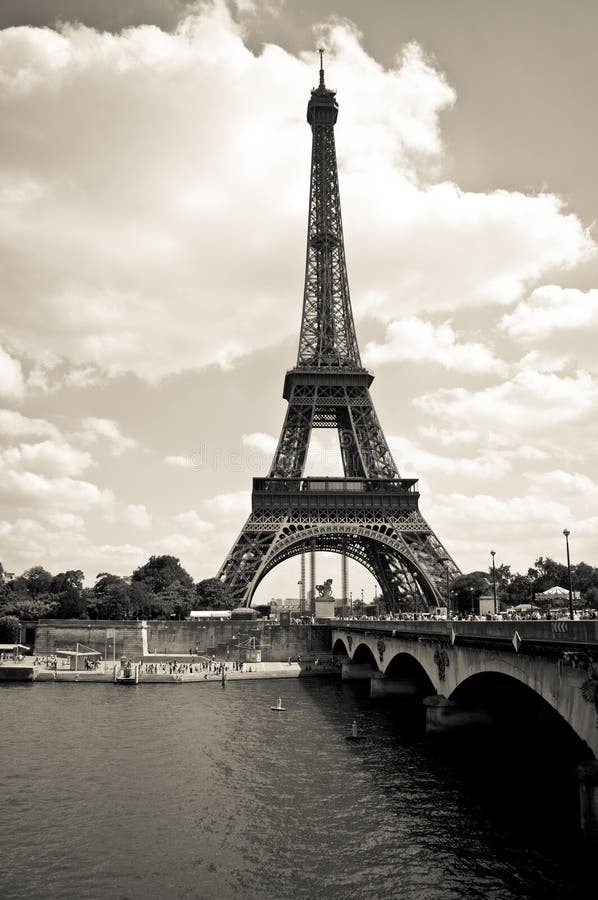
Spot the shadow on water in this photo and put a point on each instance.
(509, 783)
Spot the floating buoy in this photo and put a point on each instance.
(354, 736)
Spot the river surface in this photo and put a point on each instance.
(200, 792)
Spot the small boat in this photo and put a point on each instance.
(279, 707)
(126, 673)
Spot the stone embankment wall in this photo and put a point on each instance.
(107, 637)
(277, 643)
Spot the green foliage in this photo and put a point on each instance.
(519, 590)
(160, 572)
(162, 588)
(10, 629)
(467, 589)
(213, 594)
(67, 590)
(29, 610)
(110, 597)
(39, 581)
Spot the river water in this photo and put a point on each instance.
(198, 791)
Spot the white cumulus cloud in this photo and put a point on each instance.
(12, 383)
(174, 241)
(417, 340)
(552, 308)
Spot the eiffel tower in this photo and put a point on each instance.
(371, 515)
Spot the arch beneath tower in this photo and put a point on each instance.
(374, 547)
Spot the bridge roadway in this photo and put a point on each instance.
(483, 673)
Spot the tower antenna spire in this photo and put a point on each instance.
(321, 52)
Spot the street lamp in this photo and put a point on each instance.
(493, 554)
(566, 532)
(448, 587)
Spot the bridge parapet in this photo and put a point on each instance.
(560, 632)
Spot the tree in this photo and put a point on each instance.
(213, 594)
(549, 574)
(39, 581)
(10, 629)
(519, 590)
(591, 598)
(163, 587)
(467, 589)
(177, 600)
(110, 597)
(67, 590)
(28, 610)
(584, 577)
(160, 572)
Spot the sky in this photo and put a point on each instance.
(154, 177)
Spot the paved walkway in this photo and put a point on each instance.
(307, 668)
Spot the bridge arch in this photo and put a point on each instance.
(377, 547)
(364, 655)
(406, 668)
(340, 647)
(519, 708)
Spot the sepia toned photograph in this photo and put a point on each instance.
(298, 481)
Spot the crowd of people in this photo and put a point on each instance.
(207, 666)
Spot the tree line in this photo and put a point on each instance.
(160, 589)
(513, 589)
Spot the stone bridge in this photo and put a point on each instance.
(477, 675)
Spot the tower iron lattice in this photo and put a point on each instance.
(371, 514)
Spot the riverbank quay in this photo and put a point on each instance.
(243, 640)
(26, 671)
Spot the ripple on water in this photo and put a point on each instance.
(176, 791)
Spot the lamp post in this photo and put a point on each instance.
(493, 554)
(448, 587)
(566, 532)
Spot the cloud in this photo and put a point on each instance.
(136, 514)
(176, 544)
(191, 521)
(263, 443)
(487, 510)
(415, 340)
(12, 383)
(230, 504)
(413, 460)
(153, 154)
(108, 430)
(565, 483)
(119, 559)
(34, 491)
(57, 540)
(49, 457)
(528, 401)
(15, 424)
(448, 437)
(552, 308)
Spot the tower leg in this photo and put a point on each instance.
(344, 575)
(302, 587)
(312, 575)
